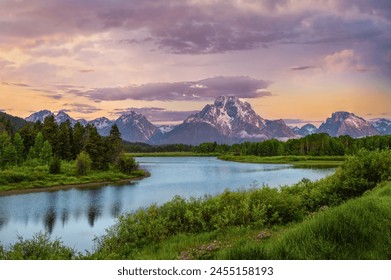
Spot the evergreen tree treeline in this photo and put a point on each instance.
(42, 142)
(320, 144)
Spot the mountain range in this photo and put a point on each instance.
(228, 120)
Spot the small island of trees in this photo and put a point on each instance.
(47, 154)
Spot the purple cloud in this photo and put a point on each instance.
(155, 114)
(207, 89)
(82, 108)
(300, 68)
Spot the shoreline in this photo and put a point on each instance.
(72, 186)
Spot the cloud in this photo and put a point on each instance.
(206, 89)
(300, 68)
(82, 108)
(345, 60)
(196, 27)
(155, 114)
(86, 70)
(299, 122)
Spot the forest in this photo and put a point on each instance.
(45, 154)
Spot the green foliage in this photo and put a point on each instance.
(55, 165)
(363, 172)
(127, 164)
(19, 148)
(256, 207)
(65, 140)
(83, 164)
(96, 149)
(358, 229)
(40, 247)
(45, 154)
(114, 145)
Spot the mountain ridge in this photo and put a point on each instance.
(228, 120)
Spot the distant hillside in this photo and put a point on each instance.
(8, 122)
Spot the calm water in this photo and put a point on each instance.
(79, 215)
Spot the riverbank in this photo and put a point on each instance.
(299, 161)
(88, 183)
(173, 154)
(342, 216)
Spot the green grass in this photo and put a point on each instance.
(344, 216)
(29, 177)
(299, 161)
(358, 229)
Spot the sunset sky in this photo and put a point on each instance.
(295, 60)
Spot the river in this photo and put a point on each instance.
(77, 216)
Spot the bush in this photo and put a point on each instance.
(362, 172)
(55, 166)
(40, 247)
(83, 164)
(127, 164)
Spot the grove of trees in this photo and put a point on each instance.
(48, 143)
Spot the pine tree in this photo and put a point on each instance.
(78, 139)
(19, 147)
(9, 157)
(95, 148)
(35, 151)
(50, 133)
(114, 145)
(46, 153)
(65, 135)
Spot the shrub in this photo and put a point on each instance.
(55, 166)
(362, 172)
(83, 164)
(40, 247)
(127, 164)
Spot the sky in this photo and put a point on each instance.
(294, 60)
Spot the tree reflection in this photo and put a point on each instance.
(93, 213)
(50, 219)
(3, 221)
(64, 216)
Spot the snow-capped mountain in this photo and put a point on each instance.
(305, 130)
(383, 126)
(230, 116)
(345, 123)
(39, 116)
(227, 120)
(103, 125)
(136, 128)
(166, 128)
(63, 117)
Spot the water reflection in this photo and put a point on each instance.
(64, 216)
(50, 219)
(78, 215)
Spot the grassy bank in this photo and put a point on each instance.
(173, 154)
(300, 161)
(357, 229)
(26, 178)
(343, 216)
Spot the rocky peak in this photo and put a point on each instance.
(39, 116)
(345, 123)
(230, 116)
